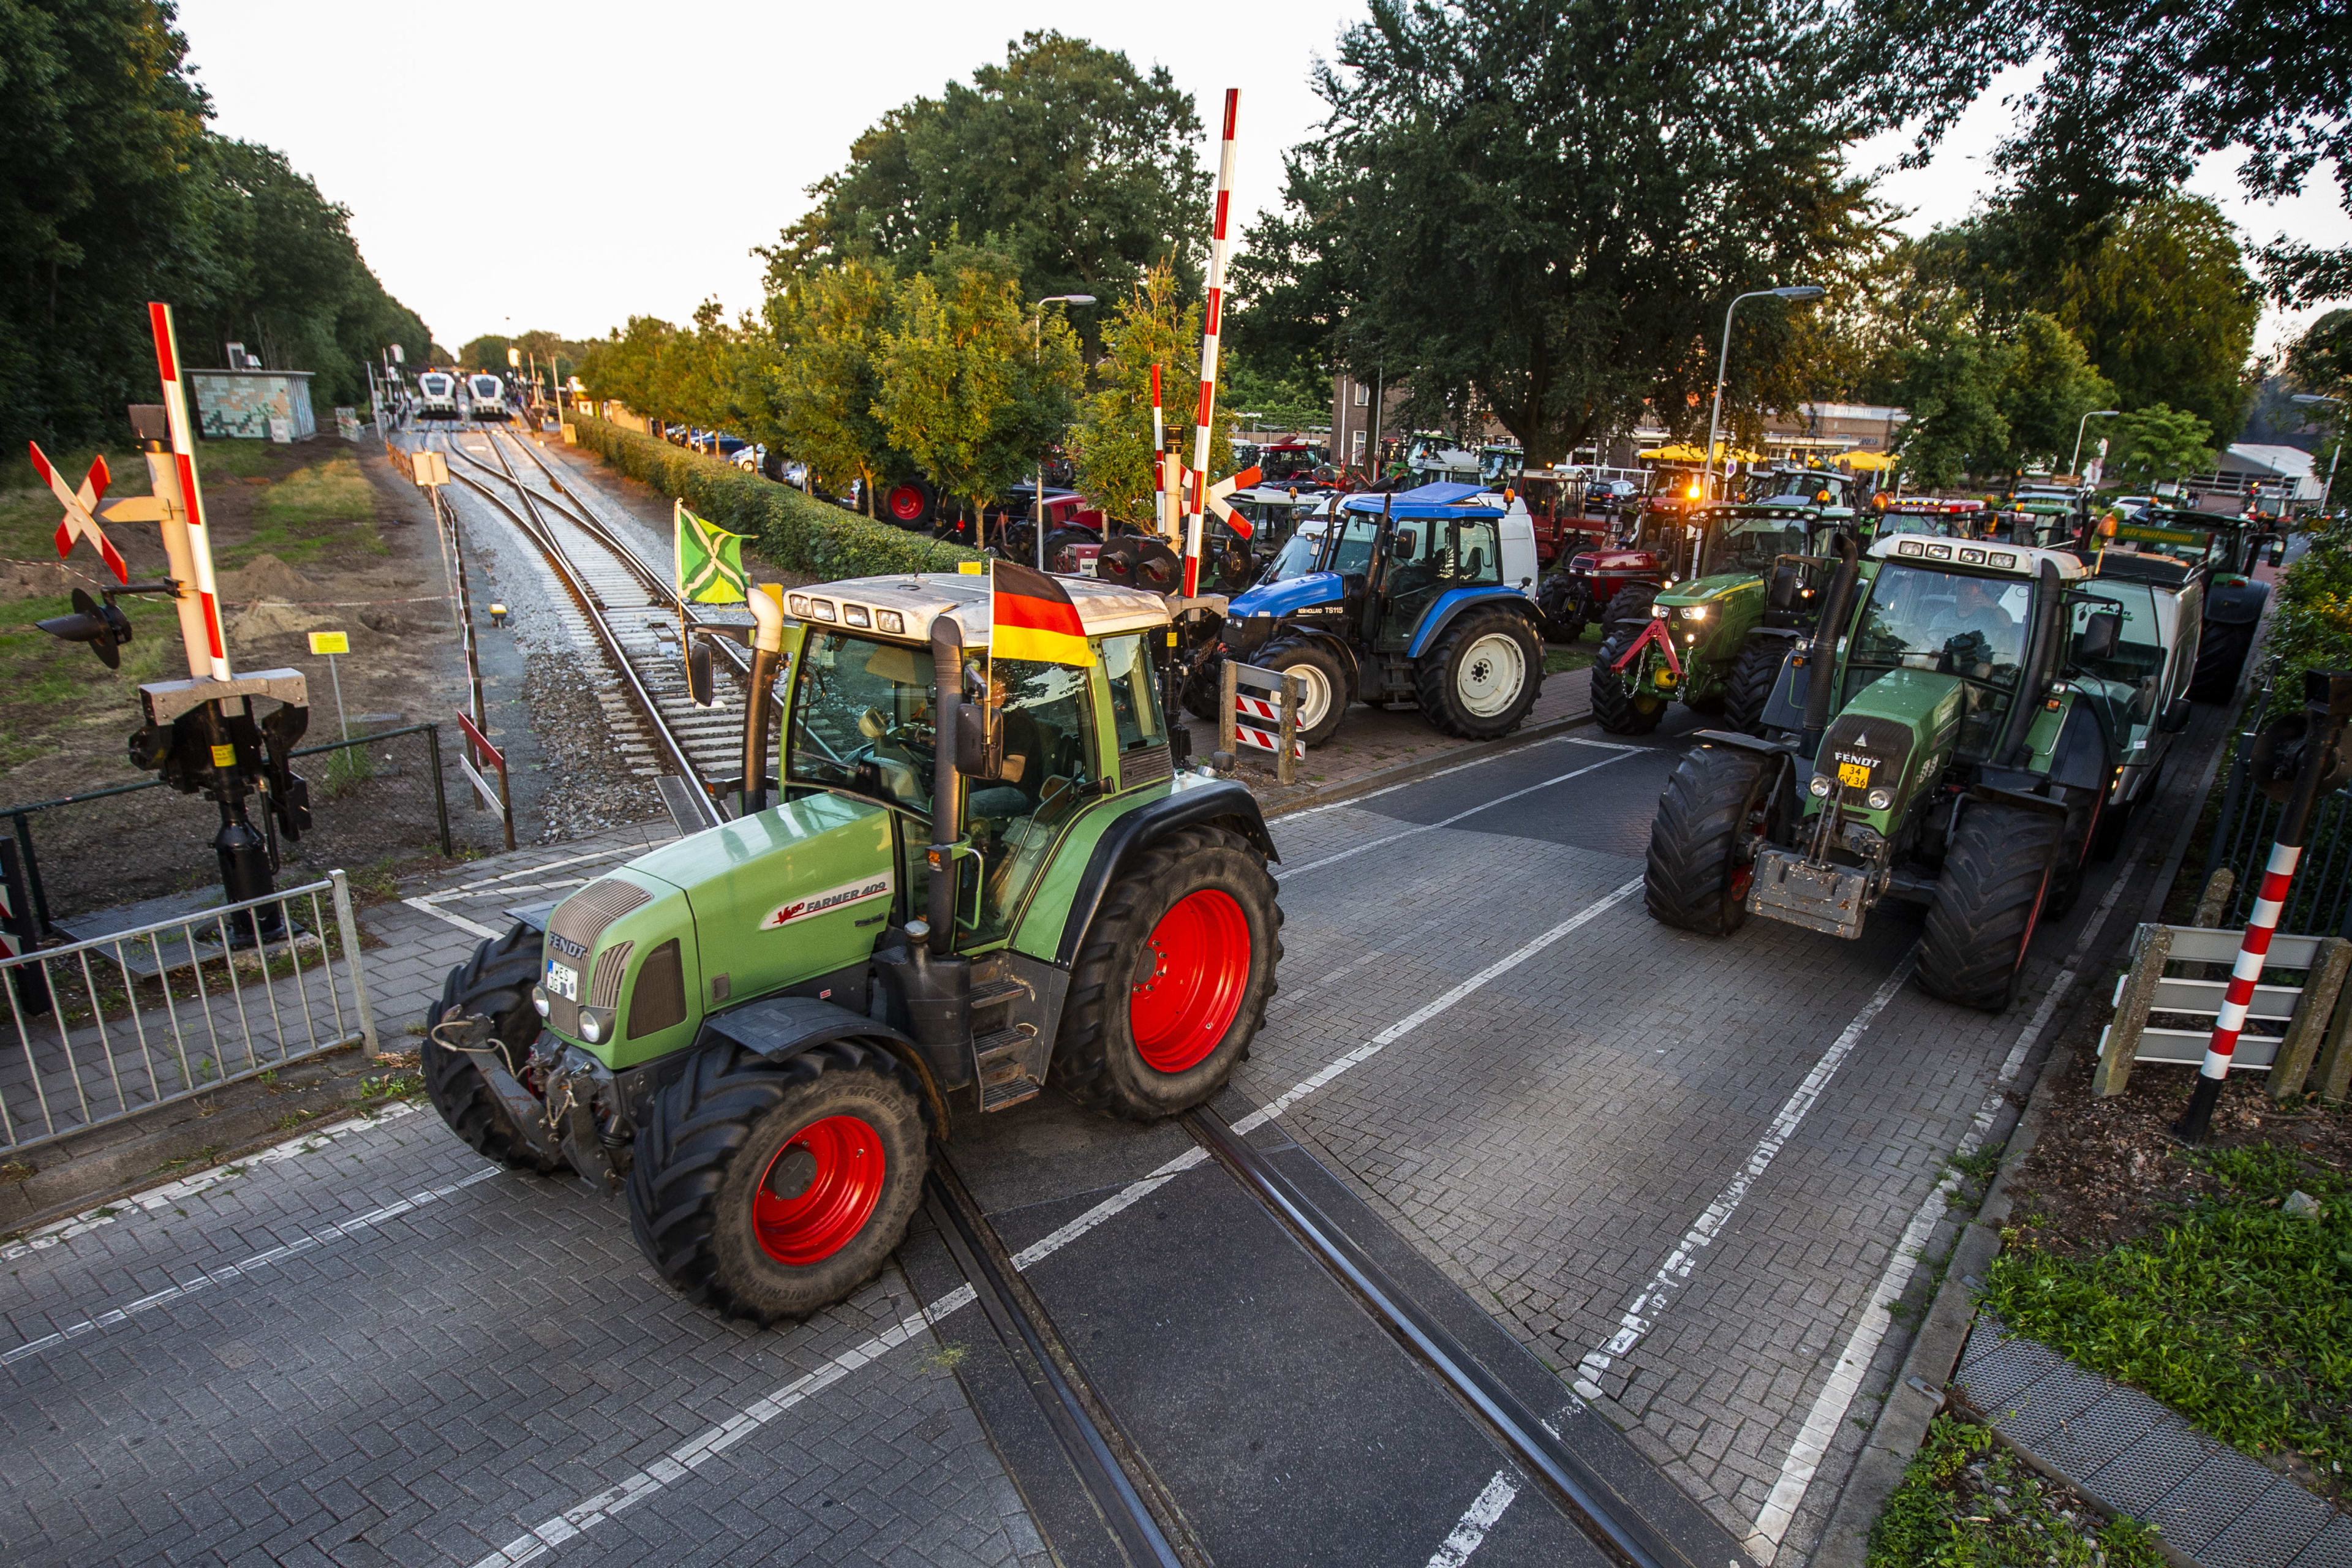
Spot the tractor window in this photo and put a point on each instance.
(862, 719)
(1353, 552)
(1974, 627)
(1015, 819)
(1296, 557)
(1754, 544)
(1134, 695)
(2137, 663)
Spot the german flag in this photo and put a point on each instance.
(1030, 617)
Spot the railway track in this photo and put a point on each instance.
(630, 605)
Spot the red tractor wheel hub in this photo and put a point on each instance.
(1189, 980)
(819, 1191)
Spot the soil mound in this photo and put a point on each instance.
(266, 577)
(274, 617)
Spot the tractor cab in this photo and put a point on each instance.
(2045, 517)
(1399, 590)
(1931, 515)
(2214, 554)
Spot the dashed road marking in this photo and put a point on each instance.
(1470, 1530)
(1290, 872)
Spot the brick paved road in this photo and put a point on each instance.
(421, 1381)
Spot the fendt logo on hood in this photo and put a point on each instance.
(831, 899)
(566, 947)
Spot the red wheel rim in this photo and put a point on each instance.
(1189, 980)
(832, 1171)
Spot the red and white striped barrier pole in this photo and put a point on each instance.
(1212, 322)
(2327, 702)
(214, 651)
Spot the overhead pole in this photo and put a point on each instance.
(1196, 504)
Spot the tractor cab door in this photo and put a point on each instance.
(1045, 713)
(1430, 557)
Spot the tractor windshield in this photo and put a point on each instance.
(1754, 544)
(1973, 627)
(1296, 558)
(862, 719)
(1794, 488)
(1353, 552)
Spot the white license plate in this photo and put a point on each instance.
(563, 981)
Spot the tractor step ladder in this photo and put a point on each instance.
(1001, 1061)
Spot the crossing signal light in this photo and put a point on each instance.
(103, 626)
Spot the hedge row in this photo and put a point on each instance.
(793, 531)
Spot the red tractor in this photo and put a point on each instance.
(1614, 578)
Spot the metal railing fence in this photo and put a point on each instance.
(101, 1029)
(2320, 902)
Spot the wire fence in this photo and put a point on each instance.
(101, 1029)
(2320, 902)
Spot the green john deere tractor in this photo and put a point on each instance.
(1715, 638)
(755, 1030)
(1982, 705)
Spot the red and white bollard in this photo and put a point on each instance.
(1197, 500)
(2327, 702)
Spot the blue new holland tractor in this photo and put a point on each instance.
(1424, 597)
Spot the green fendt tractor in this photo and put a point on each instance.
(1983, 702)
(975, 874)
(2226, 550)
(1712, 640)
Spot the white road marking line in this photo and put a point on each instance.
(1288, 873)
(1837, 1395)
(1471, 1530)
(460, 922)
(62, 1231)
(232, 1271)
(1478, 761)
(1642, 1314)
(681, 1462)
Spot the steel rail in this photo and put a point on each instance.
(672, 745)
(1606, 1512)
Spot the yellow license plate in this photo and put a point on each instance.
(1853, 775)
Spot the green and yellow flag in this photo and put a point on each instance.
(709, 560)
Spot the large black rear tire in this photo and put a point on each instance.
(1173, 981)
(1750, 685)
(1325, 701)
(1616, 706)
(495, 982)
(754, 1190)
(2221, 655)
(1561, 603)
(1484, 674)
(1719, 806)
(1204, 685)
(1997, 878)
(1630, 604)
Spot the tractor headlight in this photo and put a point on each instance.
(1881, 799)
(539, 1003)
(595, 1023)
(1693, 612)
(1821, 785)
(1660, 611)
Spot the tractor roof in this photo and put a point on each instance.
(860, 604)
(1983, 555)
(1429, 500)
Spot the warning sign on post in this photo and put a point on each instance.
(323, 643)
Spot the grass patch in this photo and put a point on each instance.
(1965, 1502)
(328, 505)
(2233, 1312)
(1561, 658)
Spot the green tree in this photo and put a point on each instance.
(2157, 445)
(1111, 444)
(1951, 379)
(630, 365)
(2166, 308)
(968, 390)
(1082, 169)
(2048, 385)
(2321, 359)
(1266, 394)
(814, 380)
(2131, 94)
(1543, 211)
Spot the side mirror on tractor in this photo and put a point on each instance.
(1788, 581)
(2099, 637)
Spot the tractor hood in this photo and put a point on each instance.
(789, 895)
(1288, 596)
(1706, 590)
(1894, 735)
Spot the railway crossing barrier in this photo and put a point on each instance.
(104, 1029)
(2312, 1049)
(1263, 724)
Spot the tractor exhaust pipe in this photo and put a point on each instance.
(1820, 662)
(947, 783)
(767, 658)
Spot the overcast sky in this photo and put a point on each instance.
(684, 134)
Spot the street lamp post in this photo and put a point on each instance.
(2328, 488)
(1036, 353)
(1715, 420)
(2075, 468)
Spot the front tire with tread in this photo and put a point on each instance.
(1706, 832)
(495, 982)
(1749, 686)
(1996, 880)
(1448, 679)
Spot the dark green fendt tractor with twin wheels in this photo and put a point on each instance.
(2227, 549)
(976, 876)
(1716, 638)
(1952, 736)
